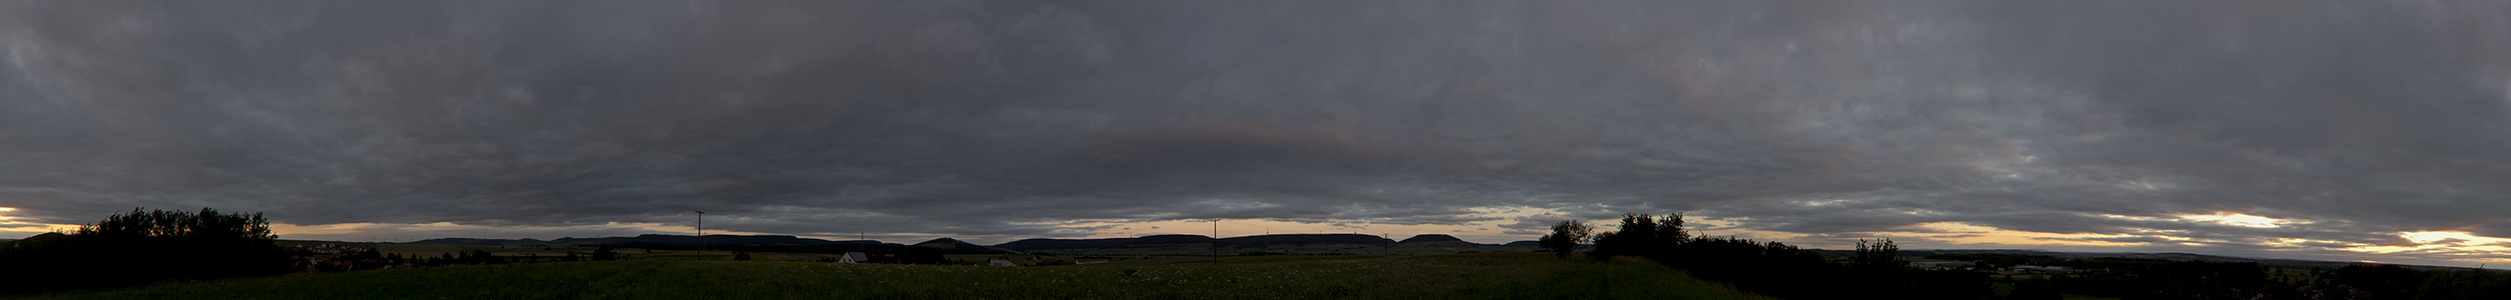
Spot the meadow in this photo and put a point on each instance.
(1465, 276)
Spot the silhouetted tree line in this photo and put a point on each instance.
(144, 246)
(1876, 271)
(371, 259)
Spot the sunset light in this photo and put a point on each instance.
(2236, 219)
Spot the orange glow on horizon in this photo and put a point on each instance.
(23, 231)
(2238, 219)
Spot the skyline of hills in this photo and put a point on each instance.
(946, 242)
(1188, 244)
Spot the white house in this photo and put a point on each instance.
(853, 258)
(998, 262)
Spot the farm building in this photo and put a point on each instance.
(998, 262)
(853, 258)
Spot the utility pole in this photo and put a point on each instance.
(1216, 241)
(701, 226)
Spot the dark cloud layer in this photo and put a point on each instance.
(1003, 118)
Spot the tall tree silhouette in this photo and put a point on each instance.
(1565, 237)
(1642, 235)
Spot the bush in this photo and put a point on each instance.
(605, 254)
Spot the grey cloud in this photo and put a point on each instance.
(1004, 119)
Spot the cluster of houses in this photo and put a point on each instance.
(1974, 266)
(2030, 269)
(328, 248)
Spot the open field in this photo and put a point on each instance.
(1472, 276)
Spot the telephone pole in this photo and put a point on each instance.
(1216, 241)
(701, 227)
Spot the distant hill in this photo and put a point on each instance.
(669, 240)
(1432, 238)
(1339, 243)
(1180, 244)
(1303, 239)
(1051, 244)
(481, 242)
(954, 246)
(724, 240)
(38, 239)
(1171, 239)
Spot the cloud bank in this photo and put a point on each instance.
(2343, 124)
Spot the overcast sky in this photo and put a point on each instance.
(2343, 130)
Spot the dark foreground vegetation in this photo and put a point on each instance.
(1468, 276)
(1877, 271)
(181, 254)
(1773, 268)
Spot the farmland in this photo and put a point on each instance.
(1469, 276)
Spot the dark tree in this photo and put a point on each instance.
(605, 254)
(1566, 236)
(1882, 255)
(1642, 235)
(741, 256)
(144, 246)
(1874, 272)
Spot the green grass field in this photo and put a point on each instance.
(1470, 276)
